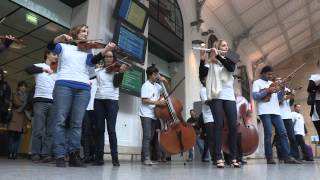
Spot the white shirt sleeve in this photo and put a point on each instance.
(255, 86)
(203, 94)
(145, 92)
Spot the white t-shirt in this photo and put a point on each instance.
(152, 92)
(271, 107)
(106, 90)
(44, 82)
(93, 84)
(285, 110)
(239, 101)
(298, 121)
(206, 111)
(72, 64)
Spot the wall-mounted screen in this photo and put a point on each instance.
(133, 12)
(133, 44)
(132, 81)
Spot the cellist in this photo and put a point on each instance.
(150, 94)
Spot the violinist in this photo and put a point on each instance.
(43, 122)
(150, 95)
(221, 99)
(269, 113)
(106, 104)
(71, 93)
(7, 40)
(286, 116)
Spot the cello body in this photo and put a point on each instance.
(249, 137)
(176, 135)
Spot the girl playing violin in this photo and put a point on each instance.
(106, 104)
(71, 92)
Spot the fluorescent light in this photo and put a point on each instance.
(32, 18)
(5, 71)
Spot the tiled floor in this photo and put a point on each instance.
(256, 169)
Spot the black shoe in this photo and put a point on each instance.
(115, 161)
(60, 162)
(75, 160)
(291, 161)
(14, 156)
(10, 156)
(99, 160)
(35, 158)
(87, 159)
(205, 160)
(271, 161)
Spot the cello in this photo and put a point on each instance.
(249, 137)
(176, 136)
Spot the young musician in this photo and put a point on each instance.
(221, 98)
(71, 93)
(106, 106)
(314, 100)
(269, 113)
(150, 94)
(42, 123)
(299, 131)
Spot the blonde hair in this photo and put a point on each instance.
(218, 43)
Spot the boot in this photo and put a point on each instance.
(75, 160)
(60, 162)
(115, 161)
(99, 159)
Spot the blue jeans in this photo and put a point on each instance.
(73, 103)
(106, 110)
(200, 145)
(148, 129)
(42, 128)
(272, 119)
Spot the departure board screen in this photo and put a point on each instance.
(133, 44)
(133, 12)
(132, 81)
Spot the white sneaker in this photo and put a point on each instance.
(148, 162)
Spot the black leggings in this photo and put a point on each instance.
(317, 126)
(219, 108)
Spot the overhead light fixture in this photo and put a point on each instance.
(5, 72)
(32, 18)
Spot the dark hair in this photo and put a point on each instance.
(151, 69)
(22, 83)
(75, 31)
(46, 52)
(114, 55)
(266, 69)
(295, 105)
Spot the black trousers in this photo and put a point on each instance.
(219, 108)
(209, 141)
(317, 126)
(302, 145)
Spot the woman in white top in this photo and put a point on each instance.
(221, 98)
(106, 106)
(71, 93)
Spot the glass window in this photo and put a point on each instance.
(167, 12)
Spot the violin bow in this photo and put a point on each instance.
(176, 86)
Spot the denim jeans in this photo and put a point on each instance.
(294, 150)
(272, 119)
(106, 110)
(73, 103)
(148, 129)
(42, 129)
(221, 108)
(200, 146)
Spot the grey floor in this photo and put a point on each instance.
(256, 169)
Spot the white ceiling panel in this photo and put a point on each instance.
(289, 8)
(295, 18)
(214, 4)
(225, 14)
(256, 13)
(241, 6)
(278, 3)
(315, 17)
(305, 36)
(264, 25)
(267, 36)
(276, 42)
(301, 44)
(300, 27)
(314, 5)
(234, 27)
(249, 48)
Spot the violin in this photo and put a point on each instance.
(115, 67)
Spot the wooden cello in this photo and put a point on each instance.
(176, 135)
(249, 137)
